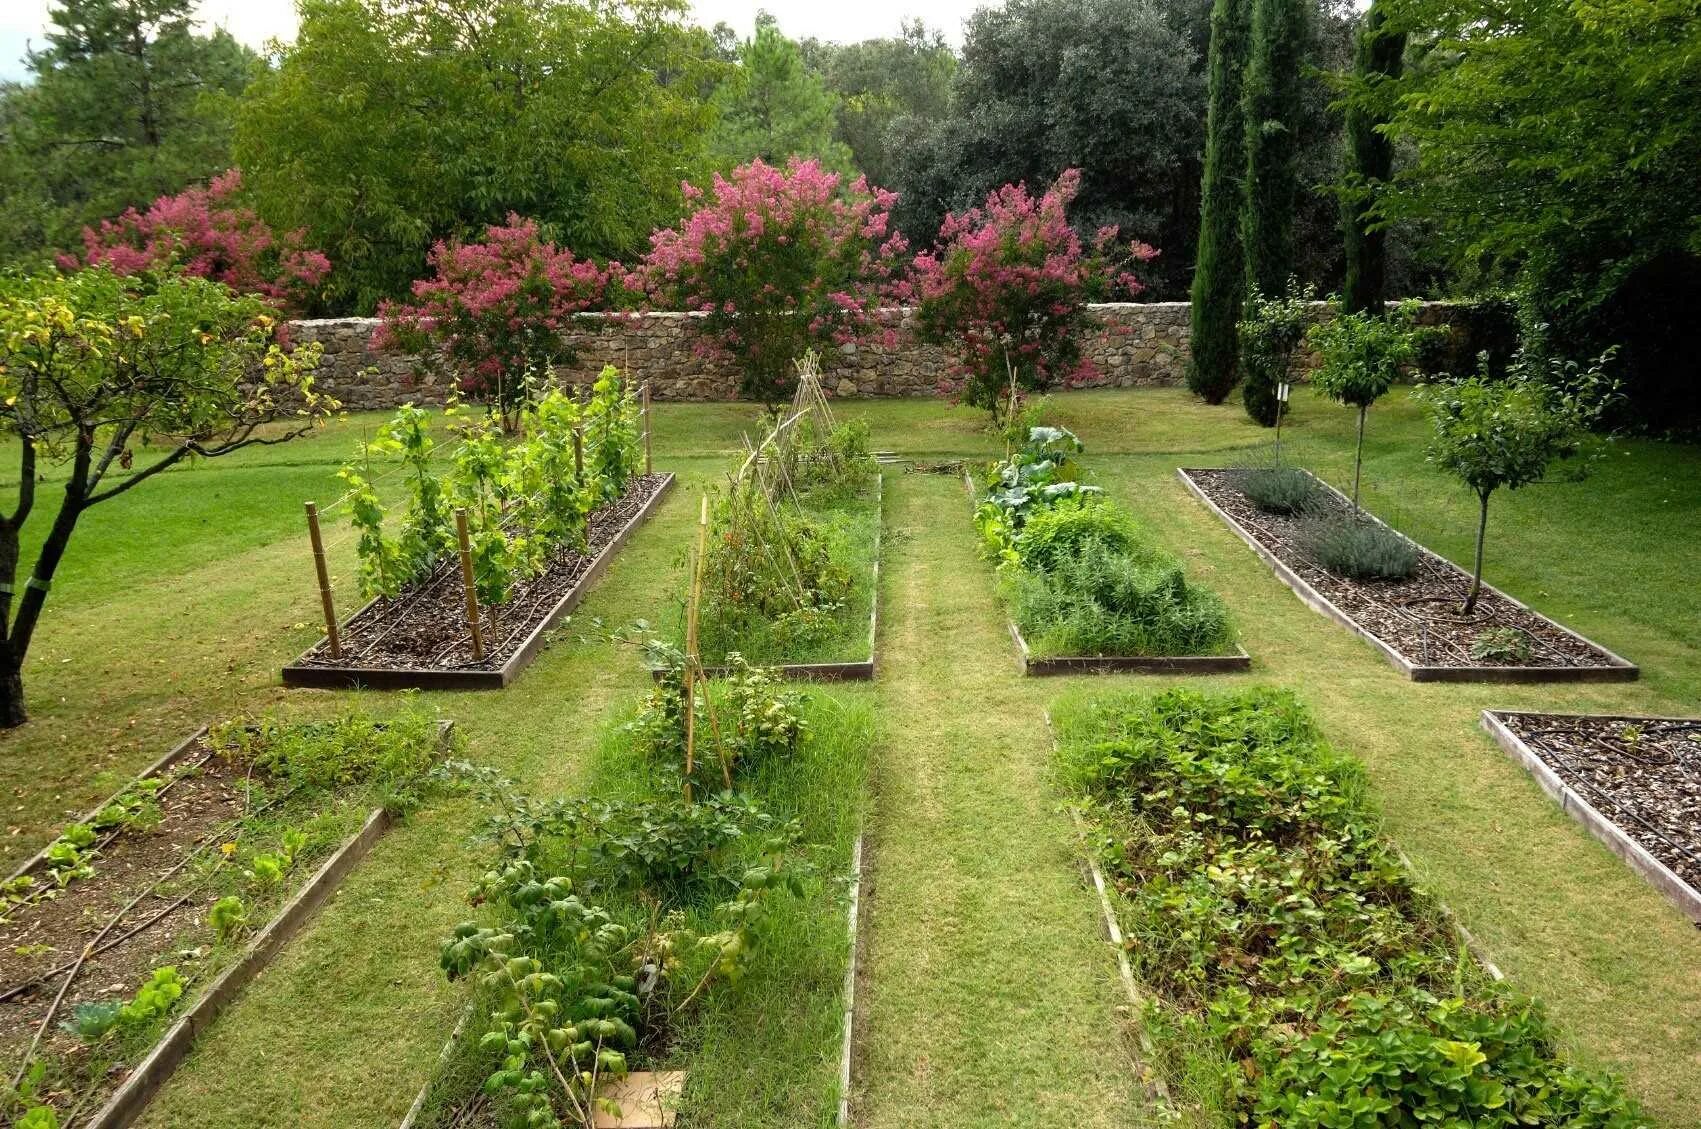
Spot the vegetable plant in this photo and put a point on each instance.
(1494, 433)
(1361, 354)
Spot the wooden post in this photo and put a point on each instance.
(579, 452)
(693, 662)
(468, 586)
(333, 639)
(647, 463)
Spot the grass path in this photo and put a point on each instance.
(990, 998)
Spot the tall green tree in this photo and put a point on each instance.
(1114, 88)
(1272, 106)
(1558, 143)
(773, 107)
(391, 124)
(1370, 162)
(880, 80)
(127, 102)
(1219, 276)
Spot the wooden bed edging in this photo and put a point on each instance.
(861, 670)
(1615, 669)
(1677, 891)
(133, 1096)
(847, 1044)
(1126, 664)
(1116, 664)
(299, 673)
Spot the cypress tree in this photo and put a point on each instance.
(1370, 161)
(1272, 102)
(1219, 273)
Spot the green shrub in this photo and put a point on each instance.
(1285, 936)
(1356, 547)
(1278, 488)
(1502, 644)
(1066, 529)
(1105, 600)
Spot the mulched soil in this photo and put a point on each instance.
(203, 795)
(425, 628)
(1418, 616)
(1644, 775)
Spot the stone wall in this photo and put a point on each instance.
(1136, 344)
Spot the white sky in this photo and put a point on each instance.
(255, 21)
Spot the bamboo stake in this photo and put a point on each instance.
(693, 662)
(333, 639)
(648, 463)
(468, 586)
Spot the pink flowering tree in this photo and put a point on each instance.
(775, 261)
(1006, 290)
(208, 233)
(501, 313)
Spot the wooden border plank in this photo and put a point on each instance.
(1656, 873)
(1615, 669)
(299, 673)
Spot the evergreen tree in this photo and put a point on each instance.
(1370, 161)
(773, 107)
(128, 103)
(1219, 275)
(1272, 105)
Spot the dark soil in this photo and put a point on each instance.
(425, 627)
(1419, 616)
(1644, 775)
(204, 794)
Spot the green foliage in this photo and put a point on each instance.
(1361, 355)
(1272, 105)
(1354, 546)
(394, 756)
(94, 1020)
(772, 107)
(749, 719)
(1492, 433)
(1270, 335)
(229, 918)
(1597, 107)
(435, 129)
(1057, 533)
(1278, 488)
(1503, 645)
(1283, 931)
(1041, 473)
(769, 563)
(93, 366)
(1219, 278)
(878, 81)
(127, 101)
(1104, 600)
(1378, 58)
(525, 498)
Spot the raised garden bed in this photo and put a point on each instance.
(1412, 622)
(1043, 665)
(1634, 782)
(141, 900)
(420, 638)
(865, 593)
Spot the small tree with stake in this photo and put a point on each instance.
(94, 365)
(1361, 358)
(1492, 433)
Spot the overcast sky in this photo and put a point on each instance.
(255, 21)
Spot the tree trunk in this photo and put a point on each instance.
(1358, 456)
(12, 713)
(1476, 573)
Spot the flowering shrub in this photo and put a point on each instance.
(500, 312)
(205, 232)
(776, 260)
(1006, 289)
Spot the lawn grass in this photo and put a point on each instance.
(990, 1000)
